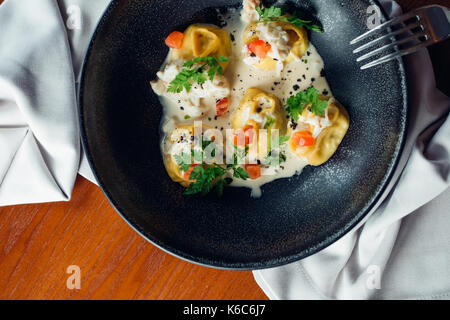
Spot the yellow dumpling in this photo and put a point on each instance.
(260, 110)
(298, 42)
(181, 140)
(181, 134)
(329, 139)
(204, 41)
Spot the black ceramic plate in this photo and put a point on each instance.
(120, 118)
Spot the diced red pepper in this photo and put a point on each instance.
(187, 174)
(303, 139)
(175, 40)
(222, 106)
(260, 48)
(254, 170)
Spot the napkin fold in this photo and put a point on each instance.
(39, 138)
(42, 44)
(402, 249)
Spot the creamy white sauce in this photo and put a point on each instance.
(248, 13)
(296, 76)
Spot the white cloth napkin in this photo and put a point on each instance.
(402, 249)
(42, 43)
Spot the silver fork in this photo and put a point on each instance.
(417, 29)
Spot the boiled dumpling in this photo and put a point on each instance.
(204, 41)
(259, 110)
(285, 43)
(335, 126)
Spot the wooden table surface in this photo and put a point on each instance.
(39, 242)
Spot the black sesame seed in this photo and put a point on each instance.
(293, 124)
(313, 79)
(296, 87)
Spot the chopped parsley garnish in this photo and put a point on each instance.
(274, 159)
(308, 98)
(283, 139)
(208, 177)
(269, 123)
(193, 71)
(277, 14)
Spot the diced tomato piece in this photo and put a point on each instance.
(303, 139)
(260, 48)
(175, 40)
(222, 106)
(249, 133)
(254, 170)
(187, 174)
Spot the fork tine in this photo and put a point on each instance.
(397, 54)
(393, 44)
(373, 42)
(384, 26)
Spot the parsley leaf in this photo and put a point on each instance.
(206, 178)
(269, 123)
(181, 161)
(275, 159)
(304, 99)
(241, 173)
(189, 73)
(277, 14)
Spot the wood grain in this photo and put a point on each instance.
(39, 242)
